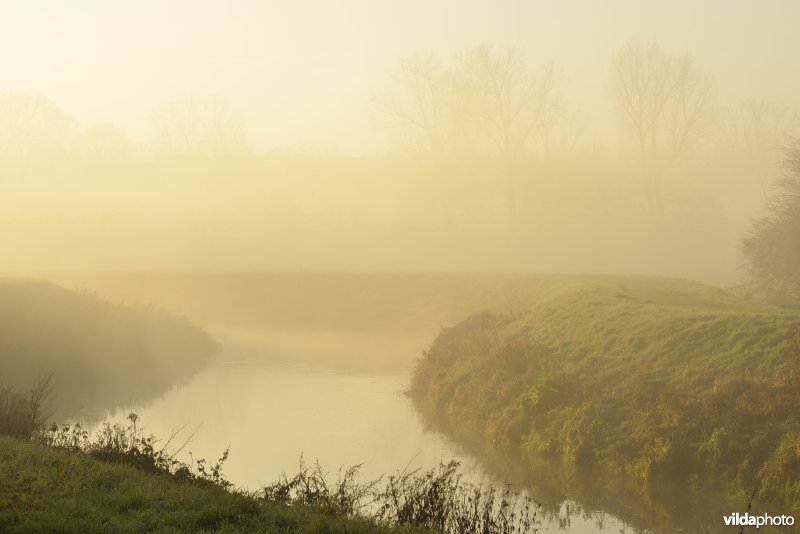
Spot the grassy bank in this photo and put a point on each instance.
(650, 379)
(100, 354)
(120, 479)
(43, 489)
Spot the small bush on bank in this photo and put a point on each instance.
(310, 487)
(439, 499)
(22, 413)
(131, 446)
(436, 499)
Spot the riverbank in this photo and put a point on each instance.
(43, 489)
(654, 380)
(100, 354)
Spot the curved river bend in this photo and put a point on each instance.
(272, 404)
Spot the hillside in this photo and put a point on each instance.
(100, 354)
(656, 380)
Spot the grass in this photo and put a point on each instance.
(47, 488)
(44, 489)
(62, 479)
(656, 380)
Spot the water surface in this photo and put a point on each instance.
(273, 402)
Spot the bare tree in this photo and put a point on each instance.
(422, 104)
(492, 96)
(514, 106)
(491, 101)
(665, 102)
(199, 128)
(564, 136)
(756, 132)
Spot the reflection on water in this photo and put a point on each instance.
(271, 408)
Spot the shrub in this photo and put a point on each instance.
(440, 500)
(772, 249)
(131, 446)
(310, 487)
(23, 413)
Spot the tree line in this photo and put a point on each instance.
(490, 103)
(33, 128)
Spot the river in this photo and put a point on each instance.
(273, 402)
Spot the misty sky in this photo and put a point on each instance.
(303, 72)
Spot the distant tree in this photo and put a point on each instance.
(772, 248)
(198, 128)
(564, 135)
(422, 103)
(490, 101)
(665, 103)
(514, 106)
(32, 128)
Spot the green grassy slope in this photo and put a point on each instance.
(654, 379)
(100, 354)
(43, 489)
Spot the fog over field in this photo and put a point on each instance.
(510, 136)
